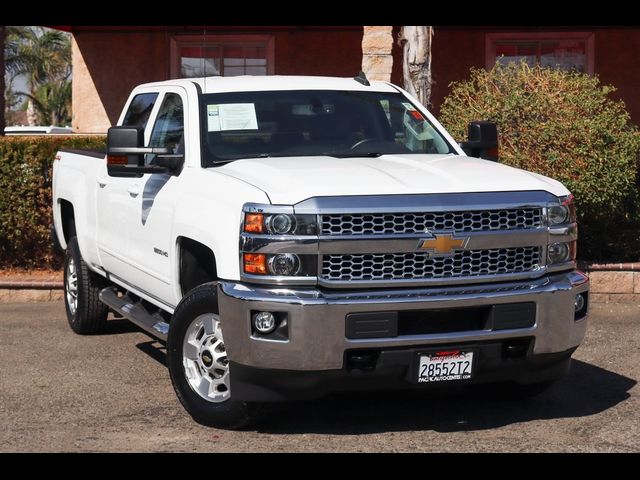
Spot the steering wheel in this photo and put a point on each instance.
(362, 142)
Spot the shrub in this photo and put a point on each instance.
(563, 125)
(25, 197)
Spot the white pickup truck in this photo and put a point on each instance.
(288, 237)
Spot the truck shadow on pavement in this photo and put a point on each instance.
(118, 326)
(588, 390)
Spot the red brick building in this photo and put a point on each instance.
(109, 61)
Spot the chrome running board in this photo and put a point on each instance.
(135, 312)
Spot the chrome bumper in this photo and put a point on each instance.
(317, 318)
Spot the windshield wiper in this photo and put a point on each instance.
(355, 155)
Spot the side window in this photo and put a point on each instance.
(169, 127)
(139, 110)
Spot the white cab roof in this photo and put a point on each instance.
(249, 83)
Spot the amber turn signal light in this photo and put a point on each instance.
(255, 263)
(117, 160)
(253, 223)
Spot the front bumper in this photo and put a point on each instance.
(317, 340)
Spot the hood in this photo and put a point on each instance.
(289, 180)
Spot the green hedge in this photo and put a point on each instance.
(25, 197)
(566, 126)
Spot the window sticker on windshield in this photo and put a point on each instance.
(231, 116)
(408, 106)
(213, 118)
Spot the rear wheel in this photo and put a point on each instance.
(199, 366)
(85, 312)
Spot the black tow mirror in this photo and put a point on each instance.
(482, 140)
(126, 151)
(172, 162)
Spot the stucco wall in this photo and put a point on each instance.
(455, 50)
(616, 62)
(108, 64)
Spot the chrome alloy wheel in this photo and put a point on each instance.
(71, 287)
(205, 359)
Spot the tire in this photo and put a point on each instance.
(87, 314)
(198, 365)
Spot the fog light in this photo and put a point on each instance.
(264, 322)
(581, 305)
(580, 302)
(284, 264)
(558, 253)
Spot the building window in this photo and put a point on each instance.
(229, 55)
(571, 51)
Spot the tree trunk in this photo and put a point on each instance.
(2, 85)
(416, 63)
(32, 115)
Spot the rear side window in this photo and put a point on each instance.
(139, 110)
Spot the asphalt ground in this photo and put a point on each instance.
(111, 392)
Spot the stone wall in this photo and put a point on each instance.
(606, 286)
(377, 45)
(615, 286)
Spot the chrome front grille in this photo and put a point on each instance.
(408, 223)
(422, 266)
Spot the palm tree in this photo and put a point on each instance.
(2, 86)
(41, 55)
(416, 65)
(51, 103)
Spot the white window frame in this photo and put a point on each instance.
(493, 38)
(178, 41)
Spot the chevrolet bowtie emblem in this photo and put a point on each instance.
(442, 245)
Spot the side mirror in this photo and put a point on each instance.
(126, 151)
(483, 140)
(172, 162)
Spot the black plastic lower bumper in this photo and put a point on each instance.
(396, 368)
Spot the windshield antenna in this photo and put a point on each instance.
(204, 57)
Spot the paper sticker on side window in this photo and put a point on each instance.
(231, 116)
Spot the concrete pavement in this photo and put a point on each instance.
(111, 392)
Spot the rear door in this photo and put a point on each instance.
(116, 196)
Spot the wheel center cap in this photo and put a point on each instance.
(207, 358)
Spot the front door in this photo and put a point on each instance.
(151, 244)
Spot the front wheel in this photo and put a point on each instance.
(198, 363)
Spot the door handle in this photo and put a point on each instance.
(103, 181)
(134, 190)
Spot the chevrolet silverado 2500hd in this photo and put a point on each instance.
(289, 237)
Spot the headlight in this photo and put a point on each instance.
(563, 213)
(284, 264)
(558, 214)
(559, 252)
(279, 224)
(279, 264)
(277, 245)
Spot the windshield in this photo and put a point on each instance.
(318, 122)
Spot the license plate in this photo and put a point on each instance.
(445, 366)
